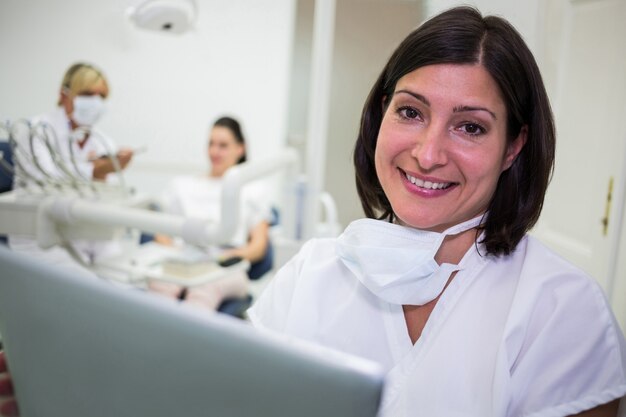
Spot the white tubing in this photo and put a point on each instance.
(71, 210)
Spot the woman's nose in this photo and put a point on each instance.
(430, 148)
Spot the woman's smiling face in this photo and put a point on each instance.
(224, 150)
(442, 145)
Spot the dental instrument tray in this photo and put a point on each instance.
(187, 265)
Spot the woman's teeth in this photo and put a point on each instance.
(428, 184)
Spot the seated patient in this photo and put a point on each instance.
(199, 197)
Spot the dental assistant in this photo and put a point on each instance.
(81, 104)
(83, 149)
(440, 284)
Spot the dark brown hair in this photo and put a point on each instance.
(463, 36)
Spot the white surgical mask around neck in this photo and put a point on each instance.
(397, 263)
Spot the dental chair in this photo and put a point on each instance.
(237, 306)
(6, 175)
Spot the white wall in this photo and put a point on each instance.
(165, 89)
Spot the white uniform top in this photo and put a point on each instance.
(200, 197)
(97, 145)
(523, 335)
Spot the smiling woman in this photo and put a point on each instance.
(442, 145)
(503, 74)
(440, 284)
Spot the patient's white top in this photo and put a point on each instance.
(522, 335)
(200, 197)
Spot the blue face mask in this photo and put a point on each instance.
(397, 263)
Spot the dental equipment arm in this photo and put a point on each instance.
(71, 213)
(238, 175)
(68, 212)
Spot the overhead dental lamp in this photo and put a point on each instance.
(170, 16)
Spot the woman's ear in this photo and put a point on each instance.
(242, 151)
(63, 96)
(65, 100)
(515, 148)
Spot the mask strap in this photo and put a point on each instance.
(466, 225)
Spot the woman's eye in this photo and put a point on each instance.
(408, 112)
(473, 129)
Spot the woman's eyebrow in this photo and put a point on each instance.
(460, 109)
(416, 95)
(456, 109)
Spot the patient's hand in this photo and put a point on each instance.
(8, 405)
(164, 240)
(124, 156)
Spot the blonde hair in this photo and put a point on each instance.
(80, 77)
